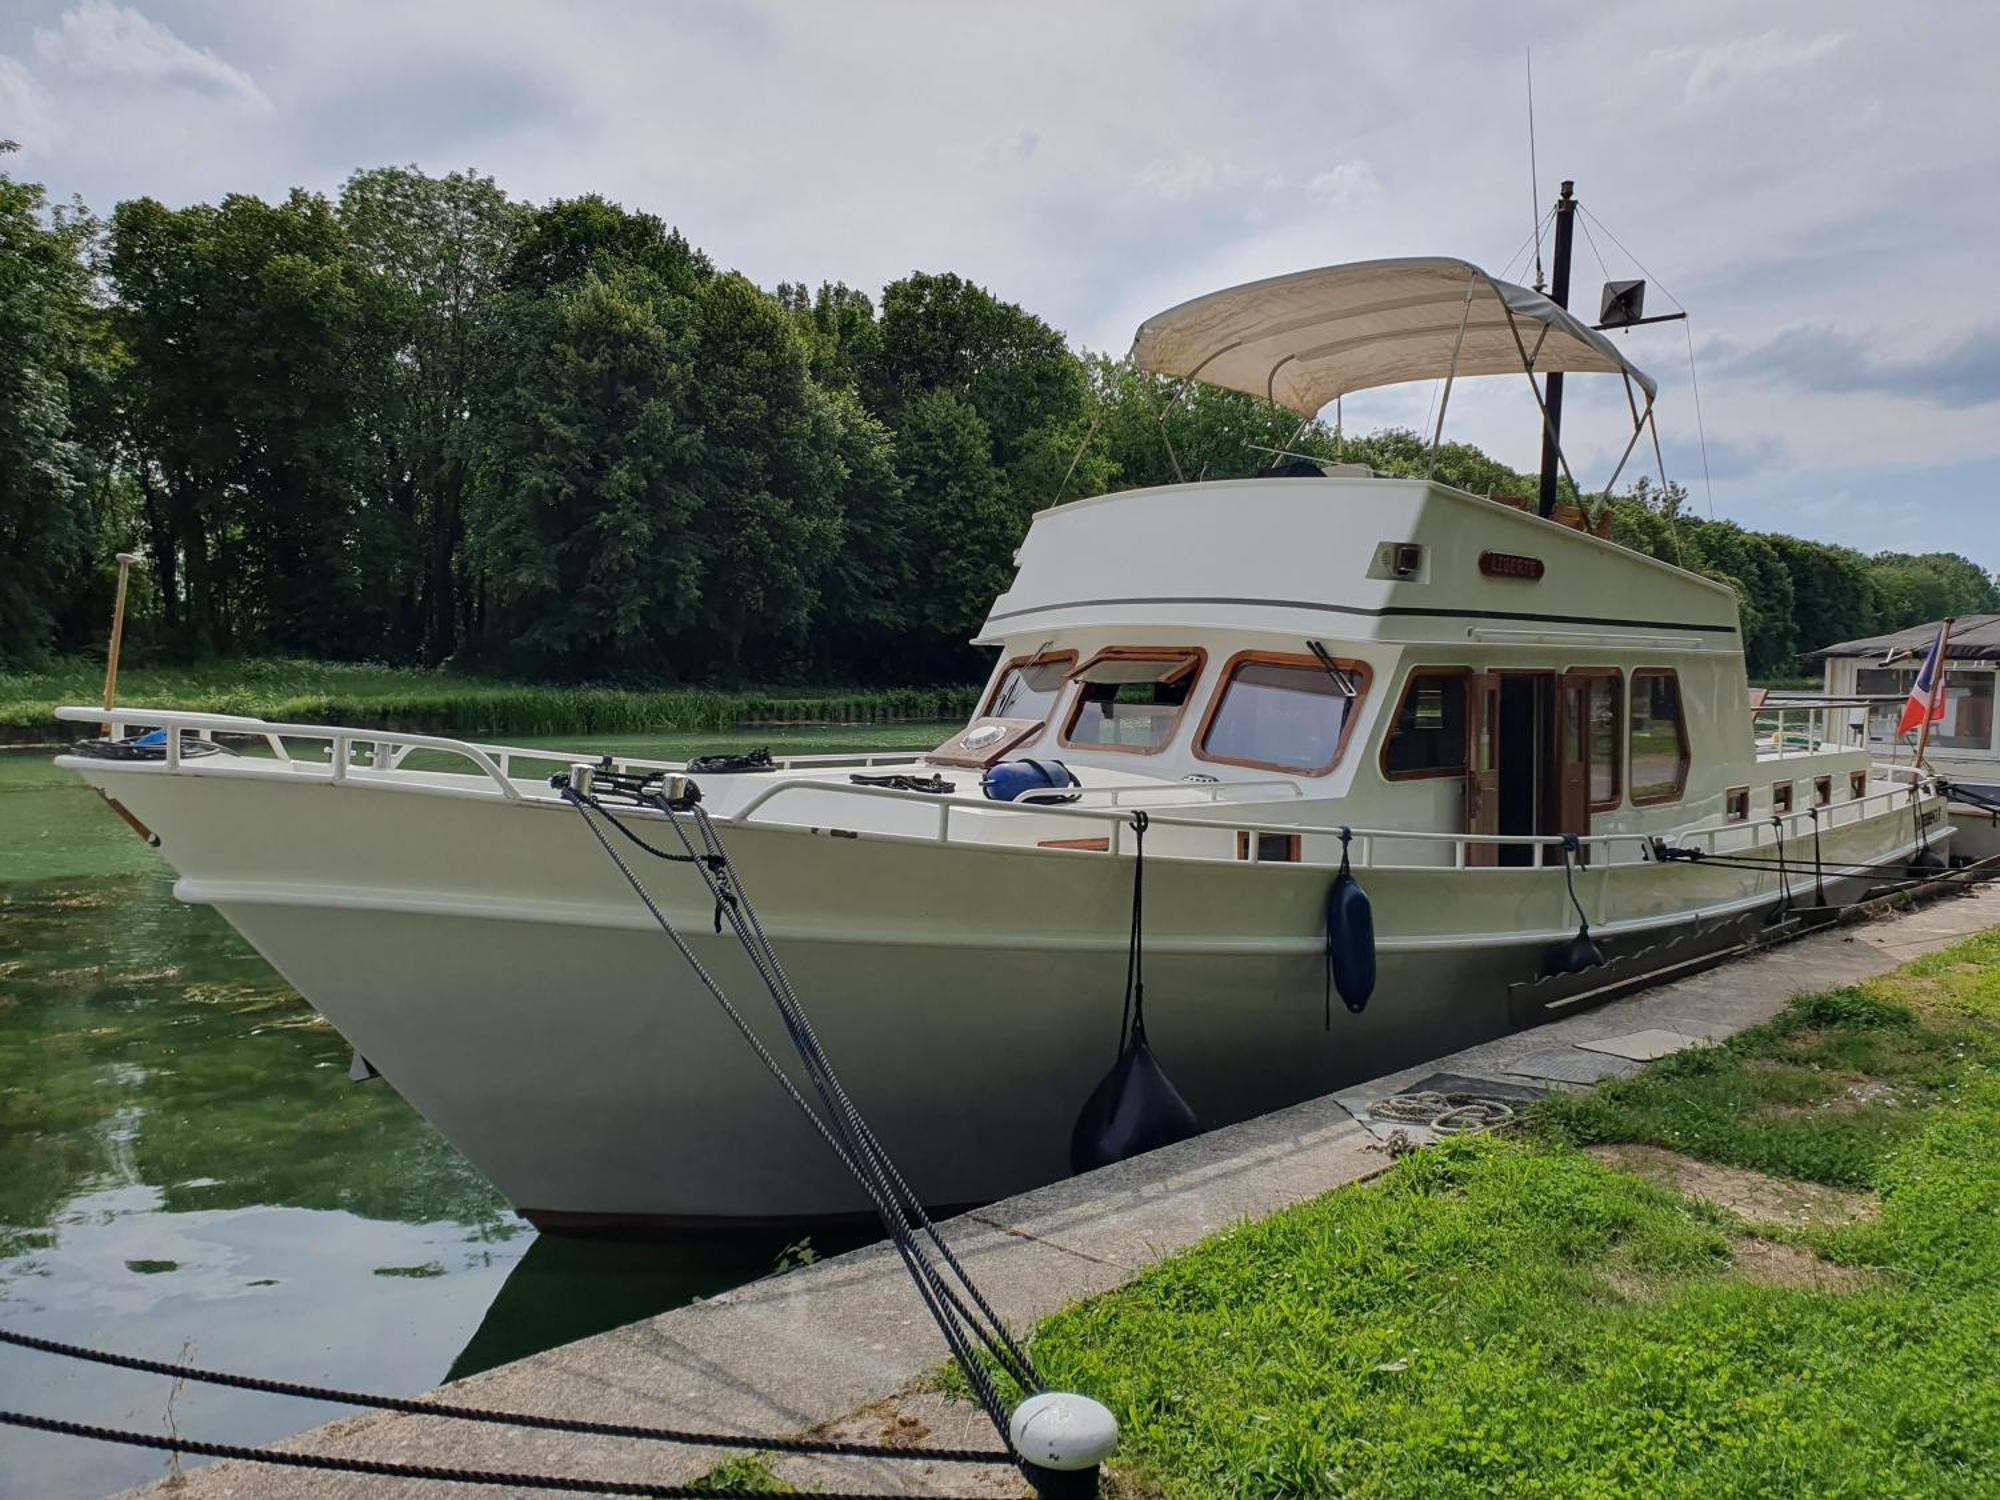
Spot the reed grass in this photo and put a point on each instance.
(436, 702)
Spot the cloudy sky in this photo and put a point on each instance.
(1818, 183)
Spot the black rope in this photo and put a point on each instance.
(416, 1406)
(1784, 875)
(327, 1463)
(901, 1212)
(1570, 846)
(1132, 1018)
(998, 1341)
(1819, 870)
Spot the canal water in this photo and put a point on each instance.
(187, 1173)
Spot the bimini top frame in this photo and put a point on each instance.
(1304, 339)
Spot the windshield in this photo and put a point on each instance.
(1028, 688)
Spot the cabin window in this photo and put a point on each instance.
(1659, 736)
(1968, 706)
(1857, 784)
(1029, 686)
(1736, 804)
(1822, 791)
(1427, 736)
(1603, 701)
(1131, 698)
(1283, 713)
(1781, 798)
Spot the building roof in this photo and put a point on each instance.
(1973, 638)
(1303, 339)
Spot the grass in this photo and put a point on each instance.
(1512, 1316)
(437, 702)
(747, 1474)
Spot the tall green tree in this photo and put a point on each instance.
(656, 494)
(574, 237)
(47, 467)
(437, 248)
(247, 356)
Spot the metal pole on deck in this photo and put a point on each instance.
(1552, 402)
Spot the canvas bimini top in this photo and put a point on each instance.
(1303, 339)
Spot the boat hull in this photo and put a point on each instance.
(506, 981)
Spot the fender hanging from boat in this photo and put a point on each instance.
(1350, 938)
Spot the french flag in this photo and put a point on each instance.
(1926, 701)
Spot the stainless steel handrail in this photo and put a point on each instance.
(389, 748)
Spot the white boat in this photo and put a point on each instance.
(1256, 664)
(1875, 675)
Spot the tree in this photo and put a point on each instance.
(438, 248)
(574, 237)
(656, 497)
(247, 353)
(962, 537)
(48, 472)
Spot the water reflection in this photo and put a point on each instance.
(184, 1166)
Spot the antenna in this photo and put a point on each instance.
(1534, 173)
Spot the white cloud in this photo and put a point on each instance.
(26, 117)
(1722, 65)
(1349, 185)
(1199, 174)
(99, 40)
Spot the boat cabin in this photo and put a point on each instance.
(1882, 669)
(1400, 653)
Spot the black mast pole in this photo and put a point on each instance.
(1553, 383)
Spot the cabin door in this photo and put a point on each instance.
(1482, 765)
(1572, 774)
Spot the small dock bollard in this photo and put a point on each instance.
(1062, 1439)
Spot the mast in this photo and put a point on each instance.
(1553, 382)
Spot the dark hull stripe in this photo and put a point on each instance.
(1387, 610)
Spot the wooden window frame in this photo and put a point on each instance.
(1192, 672)
(1431, 773)
(1857, 785)
(1621, 728)
(1356, 670)
(986, 708)
(1734, 811)
(1789, 801)
(1822, 793)
(1294, 847)
(1680, 725)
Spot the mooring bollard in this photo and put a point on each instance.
(1063, 1439)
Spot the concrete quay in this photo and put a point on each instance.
(844, 1345)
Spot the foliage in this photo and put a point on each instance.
(437, 248)
(48, 471)
(436, 702)
(426, 423)
(1510, 1317)
(245, 356)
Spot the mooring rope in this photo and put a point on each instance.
(419, 1407)
(841, 1125)
(329, 1463)
(1447, 1114)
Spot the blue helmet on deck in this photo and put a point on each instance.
(1029, 781)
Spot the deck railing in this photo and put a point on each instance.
(1107, 809)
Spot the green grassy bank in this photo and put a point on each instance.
(1546, 1313)
(432, 702)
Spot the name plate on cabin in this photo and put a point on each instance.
(1511, 565)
